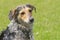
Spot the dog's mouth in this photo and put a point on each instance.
(30, 21)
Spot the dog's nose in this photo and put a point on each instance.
(32, 20)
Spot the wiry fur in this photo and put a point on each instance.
(17, 30)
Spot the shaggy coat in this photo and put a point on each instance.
(19, 29)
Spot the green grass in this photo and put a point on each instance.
(47, 17)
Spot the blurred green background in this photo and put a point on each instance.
(47, 17)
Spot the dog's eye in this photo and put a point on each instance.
(30, 10)
(22, 13)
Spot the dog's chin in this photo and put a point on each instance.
(28, 23)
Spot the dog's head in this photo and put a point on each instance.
(22, 13)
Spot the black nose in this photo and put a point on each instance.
(32, 20)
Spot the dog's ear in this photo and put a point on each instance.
(12, 14)
(31, 6)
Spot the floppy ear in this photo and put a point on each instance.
(11, 14)
(31, 6)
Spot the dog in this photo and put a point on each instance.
(21, 25)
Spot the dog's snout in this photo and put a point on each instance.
(32, 20)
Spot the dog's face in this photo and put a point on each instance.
(26, 15)
(22, 13)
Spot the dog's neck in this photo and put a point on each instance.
(22, 26)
